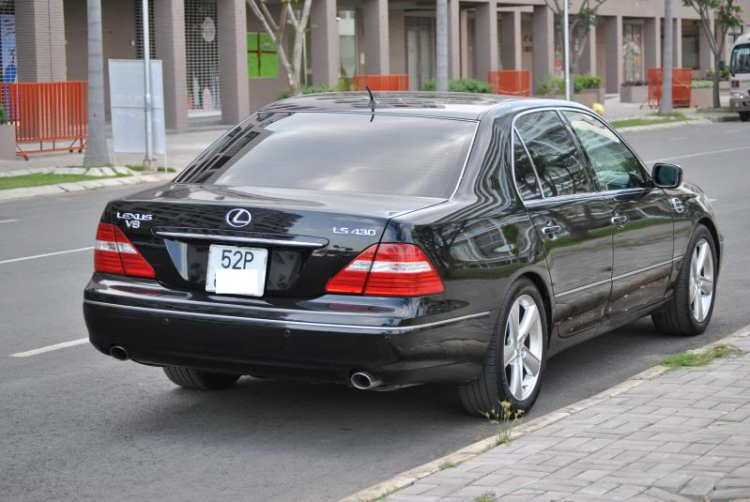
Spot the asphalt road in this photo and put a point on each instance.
(75, 425)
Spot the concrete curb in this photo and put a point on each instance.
(24, 193)
(670, 125)
(408, 478)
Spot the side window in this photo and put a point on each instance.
(615, 166)
(524, 172)
(558, 162)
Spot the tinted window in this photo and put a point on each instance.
(348, 153)
(615, 166)
(741, 59)
(557, 161)
(524, 173)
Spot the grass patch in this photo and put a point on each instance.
(486, 497)
(41, 179)
(653, 119)
(506, 416)
(447, 465)
(139, 168)
(692, 359)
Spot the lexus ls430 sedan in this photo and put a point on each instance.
(405, 239)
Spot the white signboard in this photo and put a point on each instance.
(127, 99)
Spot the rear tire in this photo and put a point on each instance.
(685, 314)
(509, 366)
(190, 378)
(744, 116)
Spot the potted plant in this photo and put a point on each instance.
(7, 137)
(587, 89)
(634, 91)
(702, 94)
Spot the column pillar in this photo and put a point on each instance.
(169, 15)
(465, 44)
(324, 49)
(706, 54)
(486, 43)
(613, 40)
(652, 43)
(235, 86)
(677, 37)
(511, 43)
(543, 44)
(377, 51)
(454, 40)
(40, 41)
(587, 63)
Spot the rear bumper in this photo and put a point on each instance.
(325, 339)
(740, 104)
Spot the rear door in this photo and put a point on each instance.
(642, 217)
(571, 218)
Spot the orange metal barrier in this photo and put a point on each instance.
(682, 82)
(381, 82)
(510, 82)
(46, 114)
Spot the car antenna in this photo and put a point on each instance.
(372, 102)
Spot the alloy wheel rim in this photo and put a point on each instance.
(701, 281)
(522, 355)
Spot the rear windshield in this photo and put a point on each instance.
(347, 153)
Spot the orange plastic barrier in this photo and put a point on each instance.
(381, 82)
(682, 82)
(510, 82)
(46, 114)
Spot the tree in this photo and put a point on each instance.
(276, 29)
(727, 14)
(665, 105)
(579, 29)
(96, 143)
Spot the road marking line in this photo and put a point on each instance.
(700, 154)
(45, 255)
(50, 348)
(7, 221)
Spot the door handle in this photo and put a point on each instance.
(551, 230)
(619, 220)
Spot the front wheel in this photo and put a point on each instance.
(689, 311)
(193, 379)
(744, 116)
(516, 357)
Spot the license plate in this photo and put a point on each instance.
(236, 271)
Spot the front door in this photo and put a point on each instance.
(642, 218)
(572, 219)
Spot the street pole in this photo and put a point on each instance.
(148, 161)
(441, 52)
(97, 153)
(566, 48)
(666, 77)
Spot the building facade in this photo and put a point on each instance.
(217, 60)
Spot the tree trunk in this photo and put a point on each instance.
(441, 76)
(666, 81)
(717, 81)
(96, 143)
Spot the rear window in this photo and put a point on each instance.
(347, 153)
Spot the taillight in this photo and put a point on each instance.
(388, 270)
(115, 254)
(735, 84)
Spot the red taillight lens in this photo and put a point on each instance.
(115, 254)
(735, 84)
(388, 270)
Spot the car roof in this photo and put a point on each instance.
(455, 105)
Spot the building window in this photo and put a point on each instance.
(632, 51)
(262, 58)
(420, 51)
(347, 21)
(691, 45)
(202, 34)
(8, 41)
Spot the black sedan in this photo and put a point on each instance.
(401, 240)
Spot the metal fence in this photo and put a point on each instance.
(48, 116)
(510, 82)
(682, 84)
(381, 82)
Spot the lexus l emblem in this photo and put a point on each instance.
(239, 217)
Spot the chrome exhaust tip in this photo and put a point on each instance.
(119, 353)
(363, 380)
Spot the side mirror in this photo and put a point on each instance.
(666, 175)
(722, 66)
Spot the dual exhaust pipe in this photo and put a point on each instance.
(119, 353)
(363, 380)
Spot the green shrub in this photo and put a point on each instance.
(580, 82)
(702, 84)
(315, 89)
(725, 75)
(466, 85)
(3, 116)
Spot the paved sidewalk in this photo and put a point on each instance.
(679, 436)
